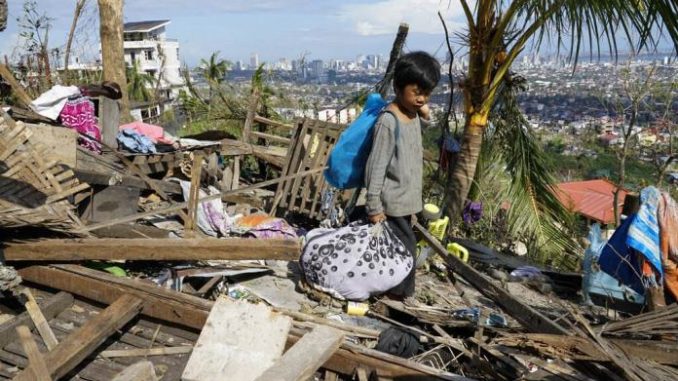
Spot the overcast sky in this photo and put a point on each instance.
(272, 28)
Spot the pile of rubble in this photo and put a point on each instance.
(130, 276)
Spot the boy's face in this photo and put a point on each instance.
(413, 98)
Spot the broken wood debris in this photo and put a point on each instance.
(70, 352)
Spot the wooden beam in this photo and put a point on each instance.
(153, 249)
(50, 308)
(270, 137)
(306, 356)
(194, 194)
(272, 123)
(143, 352)
(21, 94)
(78, 345)
(190, 311)
(39, 320)
(36, 362)
(249, 119)
(178, 207)
(532, 319)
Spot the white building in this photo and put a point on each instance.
(146, 43)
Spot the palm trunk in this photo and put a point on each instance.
(112, 53)
(463, 169)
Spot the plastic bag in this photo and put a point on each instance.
(355, 261)
(346, 163)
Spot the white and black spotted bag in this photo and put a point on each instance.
(355, 261)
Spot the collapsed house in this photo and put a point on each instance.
(126, 275)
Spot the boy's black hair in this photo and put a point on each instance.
(418, 68)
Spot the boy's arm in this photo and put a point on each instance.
(383, 147)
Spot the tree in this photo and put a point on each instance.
(627, 103)
(35, 33)
(214, 71)
(112, 53)
(79, 5)
(498, 31)
(138, 84)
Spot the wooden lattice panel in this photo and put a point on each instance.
(34, 187)
(309, 149)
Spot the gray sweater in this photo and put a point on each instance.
(394, 171)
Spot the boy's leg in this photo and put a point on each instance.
(402, 228)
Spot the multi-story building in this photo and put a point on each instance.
(146, 43)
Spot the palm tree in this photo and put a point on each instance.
(498, 30)
(214, 71)
(139, 83)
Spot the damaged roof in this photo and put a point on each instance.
(591, 198)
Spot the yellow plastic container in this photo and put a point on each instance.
(357, 308)
(458, 251)
(438, 227)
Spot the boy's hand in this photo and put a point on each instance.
(424, 112)
(377, 218)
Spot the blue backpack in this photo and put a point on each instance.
(348, 157)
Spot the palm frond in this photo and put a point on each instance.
(514, 165)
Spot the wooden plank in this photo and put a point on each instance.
(194, 194)
(143, 352)
(306, 356)
(272, 123)
(269, 137)
(292, 166)
(39, 320)
(141, 371)
(36, 362)
(240, 340)
(50, 308)
(21, 94)
(526, 315)
(77, 346)
(151, 249)
(177, 207)
(304, 161)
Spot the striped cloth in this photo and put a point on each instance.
(643, 233)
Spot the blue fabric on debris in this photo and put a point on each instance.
(644, 230)
(135, 142)
(619, 261)
(599, 282)
(527, 272)
(473, 314)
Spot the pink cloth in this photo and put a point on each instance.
(78, 114)
(153, 132)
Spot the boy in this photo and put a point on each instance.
(394, 170)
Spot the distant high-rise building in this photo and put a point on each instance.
(254, 61)
(372, 61)
(666, 60)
